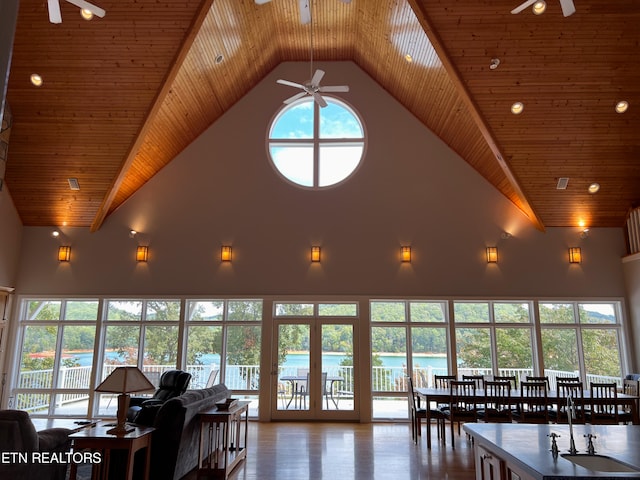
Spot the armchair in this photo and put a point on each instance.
(173, 383)
(17, 434)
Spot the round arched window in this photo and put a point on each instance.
(316, 147)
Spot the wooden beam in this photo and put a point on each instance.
(479, 119)
(198, 20)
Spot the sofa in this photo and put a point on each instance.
(19, 436)
(176, 441)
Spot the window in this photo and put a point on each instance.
(316, 147)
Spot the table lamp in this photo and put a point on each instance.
(124, 380)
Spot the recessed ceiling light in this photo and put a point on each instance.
(55, 233)
(539, 7)
(495, 62)
(73, 184)
(36, 80)
(86, 14)
(219, 58)
(622, 106)
(408, 58)
(594, 187)
(517, 108)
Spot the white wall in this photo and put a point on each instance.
(10, 238)
(631, 268)
(411, 189)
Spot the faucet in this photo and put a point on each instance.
(554, 444)
(570, 416)
(590, 448)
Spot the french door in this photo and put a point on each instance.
(313, 369)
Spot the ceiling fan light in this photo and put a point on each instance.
(408, 58)
(517, 108)
(86, 14)
(622, 106)
(539, 7)
(594, 187)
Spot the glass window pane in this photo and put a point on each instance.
(556, 313)
(77, 356)
(338, 122)
(467, 312)
(161, 347)
(81, 310)
(429, 354)
(38, 355)
(43, 310)
(473, 346)
(293, 367)
(601, 354)
(427, 311)
(514, 351)
(206, 310)
(245, 310)
(511, 313)
(33, 402)
(597, 313)
(338, 309)
(121, 347)
(294, 309)
(124, 310)
(388, 312)
(243, 357)
(163, 310)
(337, 162)
(337, 363)
(294, 162)
(204, 346)
(294, 122)
(388, 358)
(560, 351)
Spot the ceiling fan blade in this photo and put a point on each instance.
(54, 11)
(317, 77)
(319, 100)
(334, 88)
(290, 84)
(305, 13)
(97, 11)
(295, 97)
(524, 5)
(568, 8)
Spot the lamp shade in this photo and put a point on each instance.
(125, 380)
(64, 253)
(405, 253)
(492, 254)
(142, 253)
(315, 254)
(575, 255)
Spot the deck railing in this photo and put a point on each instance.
(247, 378)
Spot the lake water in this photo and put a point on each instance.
(302, 360)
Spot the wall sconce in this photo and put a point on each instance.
(225, 253)
(405, 254)
(575, 255)
(315, 254)
(492, 254)
(142, 253)
(64, 253)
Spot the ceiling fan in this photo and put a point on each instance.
(312, 87)
(305, 9)
(56, 17)
(568, 8)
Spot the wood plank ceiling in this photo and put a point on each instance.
(123, 95)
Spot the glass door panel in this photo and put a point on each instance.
(293, 340)
(337, 367)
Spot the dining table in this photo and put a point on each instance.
(297, 380)
(443, 396)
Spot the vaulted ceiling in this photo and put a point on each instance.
(124, 94)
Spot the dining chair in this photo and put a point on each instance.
(497, 402)
(511, 378)
(477, 379)
(417, 413)
(304, 391)
(443, 381)
(534, 405)
(564, 390)
(567, 380)
(629, 387)
(545, 379)
(462, 406)
(603, 404)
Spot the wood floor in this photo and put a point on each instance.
(348, 451)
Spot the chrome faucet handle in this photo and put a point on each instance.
(591, 450)
(554, 444)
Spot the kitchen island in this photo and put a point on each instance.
(523, 452)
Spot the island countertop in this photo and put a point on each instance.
(528, 447)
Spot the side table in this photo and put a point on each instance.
(223, 440)
(98, 439)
